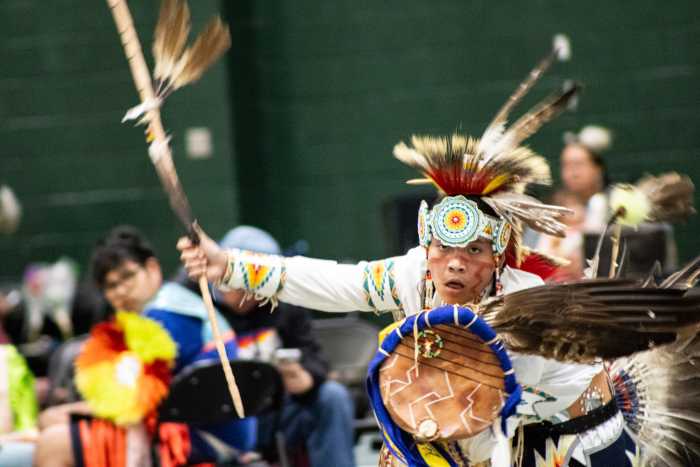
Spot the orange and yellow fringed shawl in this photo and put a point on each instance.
(123, 372)
(124, 369)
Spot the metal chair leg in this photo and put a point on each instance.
(282, 449)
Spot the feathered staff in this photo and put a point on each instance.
(174, 68)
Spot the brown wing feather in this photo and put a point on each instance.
(497, 126)
(501, 117)
(542, 113)
(684, 278)
(670, 195)
(207, 48)
(593, 319)
(170, 36)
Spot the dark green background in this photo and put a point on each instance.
(307, 106)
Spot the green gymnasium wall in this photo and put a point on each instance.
(307, 108)
(323, 90)
(64, 87)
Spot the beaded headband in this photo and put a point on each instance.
(457, 221)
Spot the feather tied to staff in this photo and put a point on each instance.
(174, 68)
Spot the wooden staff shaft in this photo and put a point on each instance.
(615, 239)
(144, 85)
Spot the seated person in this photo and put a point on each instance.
(318, 412)
(18, 409)
(5, 308)
(125, 268)
(569, 247)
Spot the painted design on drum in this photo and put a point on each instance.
(467, 413)
(427, 405)
(393, 370)
(402, 384)
(434, 397)
(502, 400)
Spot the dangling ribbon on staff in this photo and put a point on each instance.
(175, 67)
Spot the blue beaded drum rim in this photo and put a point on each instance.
(501, 236)
(457, 221)
(399, 442)
(424, 229)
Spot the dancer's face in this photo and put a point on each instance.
(461, 275)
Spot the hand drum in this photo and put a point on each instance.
(456, 387)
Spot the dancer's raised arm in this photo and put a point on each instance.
(380, 286)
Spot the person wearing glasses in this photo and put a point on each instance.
(126, 270)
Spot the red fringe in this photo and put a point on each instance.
(533, 263)
(174, 446)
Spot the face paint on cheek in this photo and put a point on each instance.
(479, 277)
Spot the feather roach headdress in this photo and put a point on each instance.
(482, 176)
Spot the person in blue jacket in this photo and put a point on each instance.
(126, 270)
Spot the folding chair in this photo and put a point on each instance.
(199, 395)
(350, 343)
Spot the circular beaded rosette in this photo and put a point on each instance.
(501, 237)
(424, 224)
(457, 221)
(430, 344)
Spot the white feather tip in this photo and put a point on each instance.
(596, 138)
(562, 46)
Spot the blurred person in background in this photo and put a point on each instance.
(42, 314)
(317, 413)
(126, 270)
(6, 305)
(584, 181)
(584, 174)
(35, 315)
(570, 247)
(18, 409)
